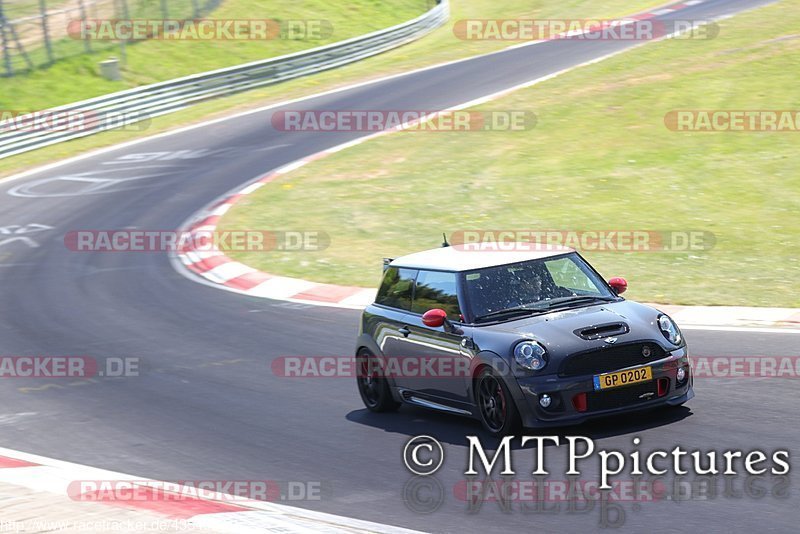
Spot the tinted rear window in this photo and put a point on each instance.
(396, 288)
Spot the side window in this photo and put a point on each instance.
(396, 288)
(567, 274)
(437, 290)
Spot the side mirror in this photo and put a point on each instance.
(618, 284)
(434, 318)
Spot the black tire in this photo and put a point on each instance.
(372, 385)
(496, 407)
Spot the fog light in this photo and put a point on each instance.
(544, 401)
(681, 376)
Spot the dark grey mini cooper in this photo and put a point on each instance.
(515, 338)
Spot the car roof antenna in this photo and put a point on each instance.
(445, 243)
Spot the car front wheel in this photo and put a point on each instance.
(498, 412)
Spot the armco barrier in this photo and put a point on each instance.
(143, 103)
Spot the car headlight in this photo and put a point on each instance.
(530, 355)
(670, 329)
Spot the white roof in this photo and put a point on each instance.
(478, 256)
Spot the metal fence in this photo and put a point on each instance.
(34, 33)
(136, 106)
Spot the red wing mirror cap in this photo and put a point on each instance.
(618, 284)
(434, 318)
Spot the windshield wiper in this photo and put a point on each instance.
(517, 310)
(555, 303)
(542, 306)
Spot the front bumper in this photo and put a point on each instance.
(566, 407)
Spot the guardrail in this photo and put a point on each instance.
(125, 108)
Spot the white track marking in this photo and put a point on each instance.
(221, 210)
(281, 287)
(198, 255)
(361, 299)
(747, 329)
(229, 271)
(251, 188)
(292, 166)
(731, 316)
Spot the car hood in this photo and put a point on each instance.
(560, 331)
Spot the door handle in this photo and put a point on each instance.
(405, 331)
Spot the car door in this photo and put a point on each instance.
(443, 356)
(389, 327)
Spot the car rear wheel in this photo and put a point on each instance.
(372, 385)
(499, 414)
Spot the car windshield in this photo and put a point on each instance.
(533, 286)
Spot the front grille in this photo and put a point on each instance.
(610, 358)
(619, 397)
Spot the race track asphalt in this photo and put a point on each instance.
(207, 405)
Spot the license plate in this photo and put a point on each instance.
(622, 378)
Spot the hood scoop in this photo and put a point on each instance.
(601, 331)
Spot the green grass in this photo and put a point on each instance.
(14, 9)
(77, 78)
(439, 46)
(599, 158)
